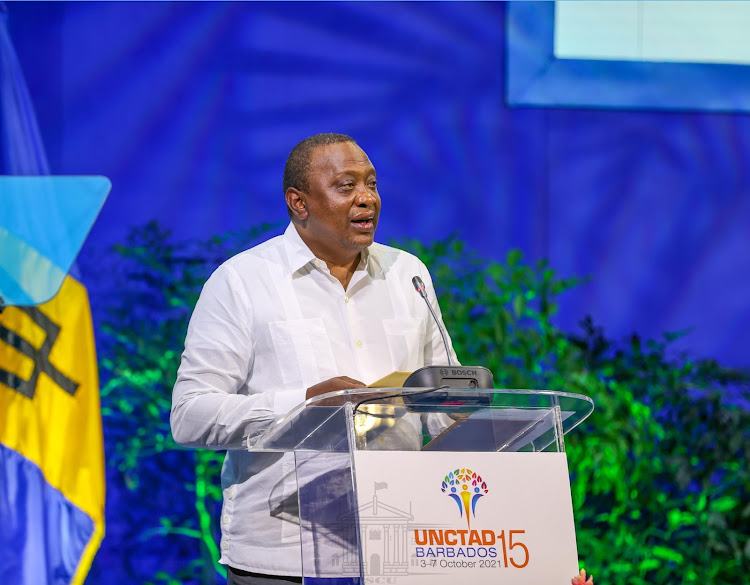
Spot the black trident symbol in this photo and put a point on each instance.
(40, 356)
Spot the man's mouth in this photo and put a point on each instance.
(363, 224)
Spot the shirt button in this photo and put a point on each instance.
(346, 298)
(227, 519)
(358, 343)
(224, 546)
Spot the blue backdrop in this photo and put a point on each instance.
(191, 109)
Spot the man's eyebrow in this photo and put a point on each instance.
(370, 171)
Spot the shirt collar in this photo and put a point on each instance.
(299, 255)
(297, 252)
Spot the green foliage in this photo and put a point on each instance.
(660, 474)
(680, 501)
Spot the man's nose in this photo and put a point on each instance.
(365, 196)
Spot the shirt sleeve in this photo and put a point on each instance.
(434, 351)
(207, 410)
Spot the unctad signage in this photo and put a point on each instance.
(487, 518)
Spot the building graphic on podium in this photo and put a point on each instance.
(384, 533)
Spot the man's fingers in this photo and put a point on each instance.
(332, 385)
(580, 579)
(354, 383)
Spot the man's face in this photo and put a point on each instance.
(342, 202)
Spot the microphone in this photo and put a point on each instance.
(450, 376)
(420, 288)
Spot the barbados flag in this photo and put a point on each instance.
(51, 454)
(51, 447)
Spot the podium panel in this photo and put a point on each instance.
(439, 518)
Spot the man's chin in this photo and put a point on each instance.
(359, 241)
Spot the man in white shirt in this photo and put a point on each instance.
(317, 309)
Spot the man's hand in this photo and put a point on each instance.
(331, 385)
(580, 579)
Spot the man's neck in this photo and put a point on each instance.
(341, 263)
(343, 272)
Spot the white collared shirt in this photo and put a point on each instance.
(271, 322)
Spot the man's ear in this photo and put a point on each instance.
(295, 201)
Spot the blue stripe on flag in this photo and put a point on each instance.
(43, 535)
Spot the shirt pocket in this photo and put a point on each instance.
(303, 351)
(405, 343)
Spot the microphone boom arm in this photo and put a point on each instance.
(421, 289)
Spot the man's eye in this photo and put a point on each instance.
(374, 184)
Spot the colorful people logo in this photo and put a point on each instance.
(465, 487)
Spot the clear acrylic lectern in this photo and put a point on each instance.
(325, 433)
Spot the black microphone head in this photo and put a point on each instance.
(418, 284)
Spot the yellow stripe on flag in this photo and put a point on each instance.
(56, 422)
